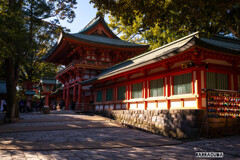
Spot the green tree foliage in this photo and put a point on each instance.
(155, 36)
(178, 16)
(24, 34)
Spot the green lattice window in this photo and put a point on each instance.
(99, 96)
(216, 81)
(109, 94)
(182, 84)
(121, 93)
(137, 90)
(156, 88)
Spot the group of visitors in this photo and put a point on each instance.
(36, 106)
(62, 105)
(30, 106)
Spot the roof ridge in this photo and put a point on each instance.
(91, 22)
(226, 39)
(144, 54)
(166, 45)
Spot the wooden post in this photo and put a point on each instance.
(74, 92)
(168, 90)
(64, 94)
(47, 100)
(67, 99)
(79, 93)
(198, 88)
(128, 95)
(145, 93)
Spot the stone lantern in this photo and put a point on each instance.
(46, 86)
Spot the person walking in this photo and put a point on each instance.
(62, 104)
(3, 105)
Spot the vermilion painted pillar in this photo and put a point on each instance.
(47, 100)
(64, 94)
(67, 99)
(198, 88)
(128, 95)
(145, 93)
(168, 91)
(74, 93)
(79, 93)
(79, 105)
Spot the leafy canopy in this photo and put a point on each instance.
(177, 16)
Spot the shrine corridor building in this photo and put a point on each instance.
(111, 74)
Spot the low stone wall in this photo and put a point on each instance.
(170, 123)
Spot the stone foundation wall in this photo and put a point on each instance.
(170, 123)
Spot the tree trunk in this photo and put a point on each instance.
(11, 78)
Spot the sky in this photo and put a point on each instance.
(84, 14)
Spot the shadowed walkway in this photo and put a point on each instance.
(66, 135)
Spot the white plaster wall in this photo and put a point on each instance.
(175, 104)
(111, 106)
(151, 106)
(86, 76)
(106, 106)
(133, 106)
(162, 105)
(118, 106)
(166, 85)
(195, 81)
(124, 106)
(141, 106)
(190, 103)
(97, 107)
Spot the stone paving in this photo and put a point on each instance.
(99, 139)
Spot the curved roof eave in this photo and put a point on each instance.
(221, 47)
(54, 47)
(91, 39)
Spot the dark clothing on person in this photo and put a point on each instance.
(73, 105)
(62, 104)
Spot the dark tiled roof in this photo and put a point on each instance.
(94, 22)
(223, 42)
(30, 92)
(169, 50)
(105, 41)
(3, 87)
(48, 80)
(96, 39)
(57, 91)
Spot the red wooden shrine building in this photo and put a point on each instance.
(171, 76)
(85, 55)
